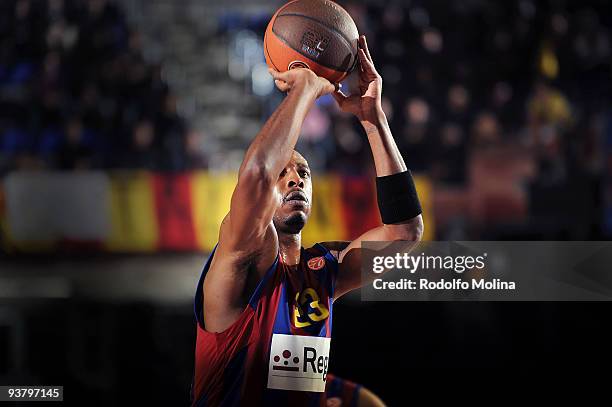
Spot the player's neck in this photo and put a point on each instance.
(290, 247)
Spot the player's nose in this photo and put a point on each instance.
(294, 179)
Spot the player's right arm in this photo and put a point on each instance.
(248, 244)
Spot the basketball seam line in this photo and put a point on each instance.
(329, 66)
(270, 56)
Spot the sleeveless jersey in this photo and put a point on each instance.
(277, 352)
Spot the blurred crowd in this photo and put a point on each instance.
(465, 75)
(465, 78)
(460, 77)
(75, 92)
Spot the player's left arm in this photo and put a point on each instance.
(402, 220)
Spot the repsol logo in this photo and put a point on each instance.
(317, 364)
(298, 362)
(311, 362)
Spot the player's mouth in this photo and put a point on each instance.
(296, 198)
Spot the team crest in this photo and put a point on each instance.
(316, 263)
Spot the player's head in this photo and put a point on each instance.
(294, 188)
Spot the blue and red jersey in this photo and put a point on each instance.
(344, 392)
(277, 352)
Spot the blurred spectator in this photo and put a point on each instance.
(486, 131)
(548, 106)
(172, 136)
(458, 103)
(351, 148)
(141, 152)
(195, 146)
(450, 159)
(77, 150)
(416, 142)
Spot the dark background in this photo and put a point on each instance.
(143, 354)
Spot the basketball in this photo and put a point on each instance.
(315, 34)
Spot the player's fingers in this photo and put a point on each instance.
(328, 87)
(364, 45)
(360, 43)
(282, 85)
(368, 66)
(278, 75)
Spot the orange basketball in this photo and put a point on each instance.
(315, 34)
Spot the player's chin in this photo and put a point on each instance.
(295, 221)
(301, 208)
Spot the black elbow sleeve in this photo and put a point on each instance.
(397, 198)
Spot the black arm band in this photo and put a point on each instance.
(397, 198)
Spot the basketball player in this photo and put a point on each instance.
(263, 302)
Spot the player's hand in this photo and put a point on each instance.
(301, 78)
(366, 104)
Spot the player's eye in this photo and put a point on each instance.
(304, 174)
